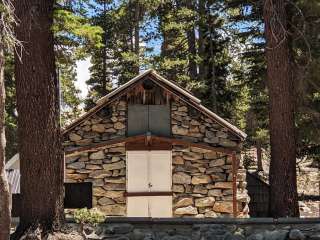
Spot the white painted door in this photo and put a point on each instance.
(149, 171)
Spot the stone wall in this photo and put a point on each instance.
(190, 124)
(202, 184)
(202, 179)
(108, 123)
(230, 229)
(106, 169)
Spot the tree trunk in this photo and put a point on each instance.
(201, 26)
(136, 35)
(192, 46)
(259, 156)
(41, 156)
(282, 177)
(5, 213)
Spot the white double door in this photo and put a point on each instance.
(148, 184)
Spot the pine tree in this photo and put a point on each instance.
(282, 176)
(40, 149)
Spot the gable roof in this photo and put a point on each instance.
(193, 101)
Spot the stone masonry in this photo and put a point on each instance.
(202, 179)
(106, 169)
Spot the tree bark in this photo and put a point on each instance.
(5, 212)
(282, 177)
(137, 34)
(192, 45)
(41, 156)
(259, 156)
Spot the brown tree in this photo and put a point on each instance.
(7, 42)
(282, 177)
(41, 156)
(4, 187)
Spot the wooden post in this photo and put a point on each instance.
(234, 184)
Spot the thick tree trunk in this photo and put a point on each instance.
(5, 213)
(282, 177)
(41, 156)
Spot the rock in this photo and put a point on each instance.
(183, 202)
(178, 160)
(217, 162)
(210, 155)
(71, 159)
(192, 156)
(113, 210)
(199, 150)
(181, 178)
(183, 109)
(97, 155)
(105, 201)
(210, 134)
(178, 188)
(114, 166)
(219, 177)
(223, 185)
(276, 235)
(100, 128)
(115, 186)
(76, 176)
(223, 207)
(214, 170)
(190, 210)
(179, 130)
(83, 171)
(122, 228)
(194, 122)
(215, 193)
(296, 234)
(114, 194)
(210, 214)
(227, 143)
(200, 189)
(212, 140)
(74, 137)
(201, 179)
(221, 134)
(76, 165)
(98, 191)
(257, 236)
(100, 174)
(93, 167)
(119, 125)
(97, 182)
(204, 202)
(84, 142)
(117, 150)
(115, 180)
(194, 129)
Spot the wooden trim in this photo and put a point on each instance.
(97, 146)
(142, 194)
(234, 184)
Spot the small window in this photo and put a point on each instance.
(149, 118)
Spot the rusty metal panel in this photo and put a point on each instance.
(137, 119)
(159, 120)
(149, 118)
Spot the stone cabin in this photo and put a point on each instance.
(151, 149)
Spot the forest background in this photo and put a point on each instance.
(214, 48)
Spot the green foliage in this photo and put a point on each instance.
(88, 216)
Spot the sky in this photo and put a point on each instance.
(83, 74)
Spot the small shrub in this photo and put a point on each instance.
(85, 216)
